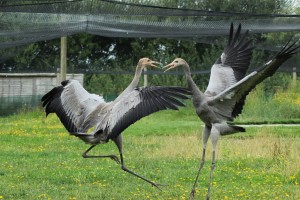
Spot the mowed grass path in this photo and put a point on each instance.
(39, 160)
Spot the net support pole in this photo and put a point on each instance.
(145, 77)
(63, 58)
(294, 74)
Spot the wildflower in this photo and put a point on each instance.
(287, 195)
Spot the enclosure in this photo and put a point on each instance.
(105, 39)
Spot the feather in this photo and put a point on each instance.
(148, 101)
(233, 64)
(244, 86)
(66, 99)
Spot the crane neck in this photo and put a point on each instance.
(188, 75)
(137, 76)
(191, 84)
(134, 83)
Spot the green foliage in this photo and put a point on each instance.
(283, 106)
(107, 85)
(280, 81)
(88, 53)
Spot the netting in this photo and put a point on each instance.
(25, 21)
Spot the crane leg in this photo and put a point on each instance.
(211, 173)
(118, 142)
(113, 157)
(205, 135)
(215, 134)
(199, 170)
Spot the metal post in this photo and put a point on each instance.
(63, 58)
(145, 77)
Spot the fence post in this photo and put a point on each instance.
(57, 76)
(63, 58)
(145, 77)
(294, 74)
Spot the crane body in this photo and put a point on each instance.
(79, 111)
(227, 90)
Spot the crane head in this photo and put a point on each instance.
(146, 62)
(176, 63)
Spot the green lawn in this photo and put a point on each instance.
(39, 160)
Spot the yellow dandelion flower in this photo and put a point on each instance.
(287, 195)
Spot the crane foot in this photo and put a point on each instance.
(115, 158)
(192, 195)
(157, 185)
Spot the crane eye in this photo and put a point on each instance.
(176, 61)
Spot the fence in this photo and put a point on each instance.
(24, 90)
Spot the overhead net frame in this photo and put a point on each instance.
(23, 22)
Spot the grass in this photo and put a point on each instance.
(39, 160)
(283, 107)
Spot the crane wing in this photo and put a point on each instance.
(142, 102)
(232, 65)
(230, 102)
(71, 103)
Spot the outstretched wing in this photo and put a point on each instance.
(230, 102)
(71, 103)
(232, 65)
(142, 102)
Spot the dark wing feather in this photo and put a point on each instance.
(266, 71)
(71, 103)
(237, 54)
(52, 103)
(232, 65)
(143, 102)
(231, 101)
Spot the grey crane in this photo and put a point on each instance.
(228, 87)
(80, 111)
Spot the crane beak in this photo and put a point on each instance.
(156, 64)
(169, 66)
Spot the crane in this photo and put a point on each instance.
(79, 111)
(227, 90)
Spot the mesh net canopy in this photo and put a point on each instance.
(25, 21)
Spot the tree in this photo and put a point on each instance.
(92, 54)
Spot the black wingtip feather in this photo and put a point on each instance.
(52, 104)
(237, 34)
(230, 33)
(268, 70)
(288, 51)
(65, 82)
